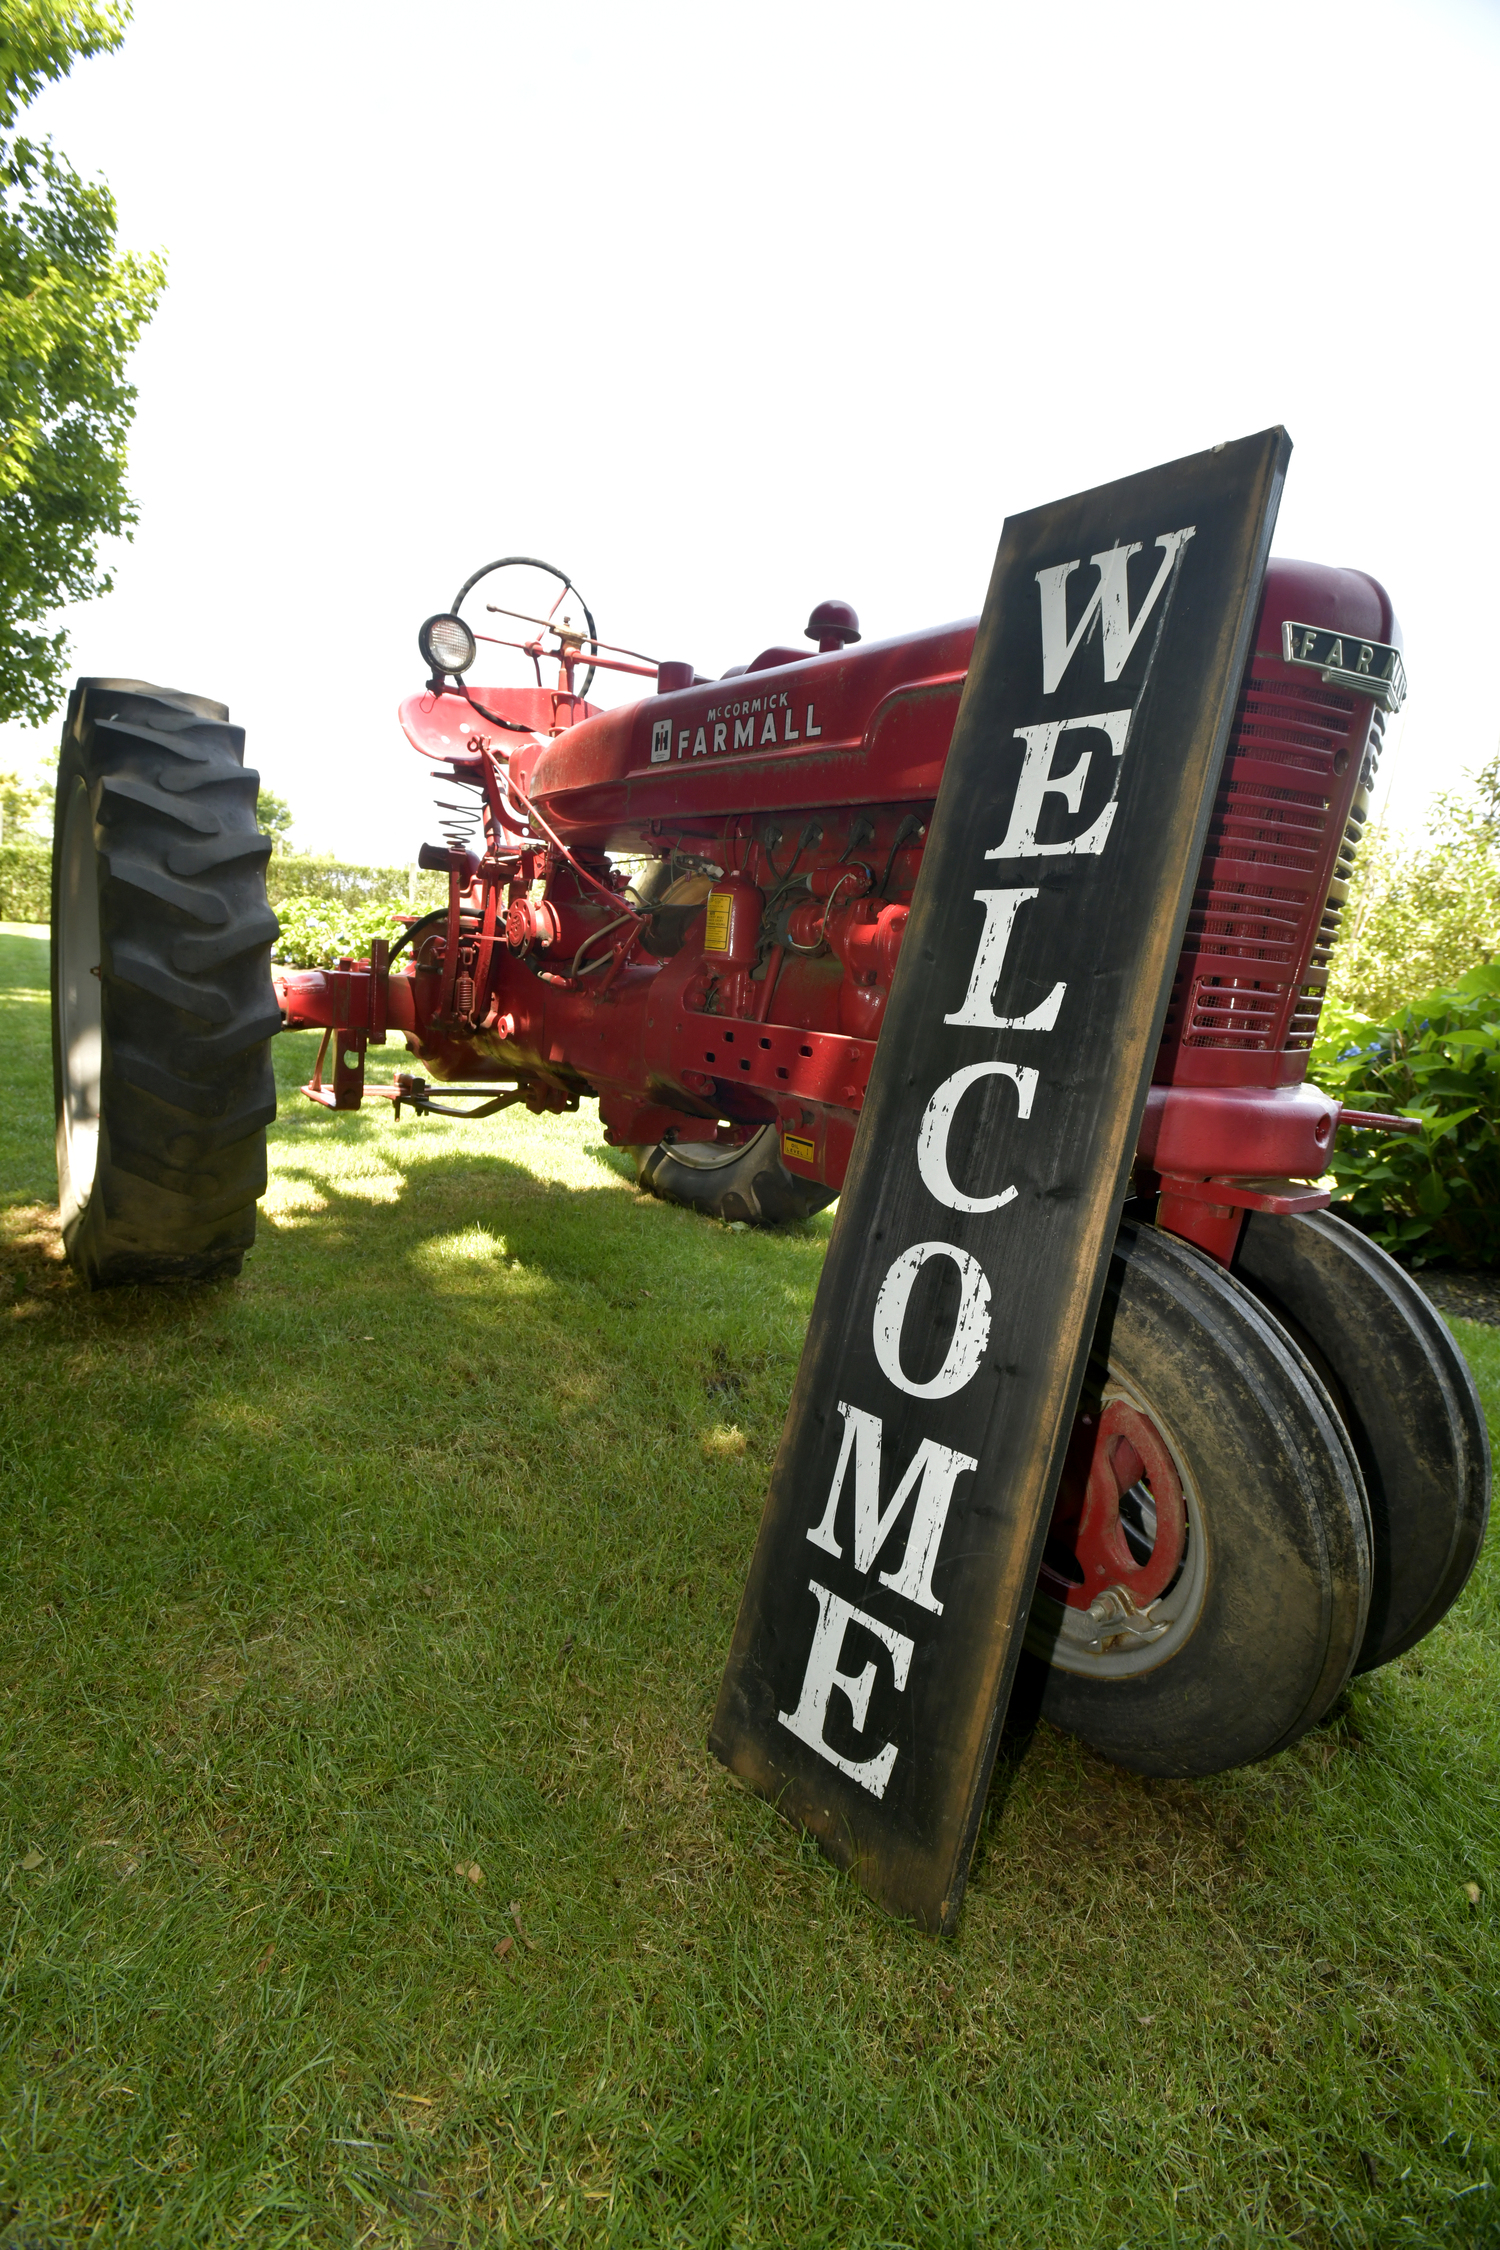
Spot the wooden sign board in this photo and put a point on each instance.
(888, 1594)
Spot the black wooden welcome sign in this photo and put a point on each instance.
(882, 1619)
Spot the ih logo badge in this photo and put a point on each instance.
(661, 742)
(882, 1619)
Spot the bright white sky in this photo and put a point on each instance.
(730, 308)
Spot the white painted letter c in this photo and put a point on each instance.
(937, 1123)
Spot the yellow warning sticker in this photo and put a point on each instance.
(800, 1151)
(716, 934)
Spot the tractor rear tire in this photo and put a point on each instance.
(1266, 1615)
(1405, 1394)
(749, 1183)
(162, 1004)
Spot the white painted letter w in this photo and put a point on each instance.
(1110, 602)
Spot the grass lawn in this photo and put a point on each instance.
(367, 1879)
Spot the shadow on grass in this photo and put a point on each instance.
(355, 1600)
(508, 1330)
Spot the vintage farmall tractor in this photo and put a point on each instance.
(690, 909)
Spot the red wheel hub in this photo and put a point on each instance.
(1087, 1550)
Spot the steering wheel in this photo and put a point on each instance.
(533, 562)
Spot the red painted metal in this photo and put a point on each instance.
(732, 915)
(1088, 1553)
(1285, 824)
(1128, 1450)
(1207, 1129)
(1379, 1121)
(832, 625)
(442, 726)
(790, 800)
(882, 717)
(1213, 1226)
(1211, 1212)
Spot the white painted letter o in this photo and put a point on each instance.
(971, 1331)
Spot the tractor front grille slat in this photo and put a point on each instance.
(1287, 818)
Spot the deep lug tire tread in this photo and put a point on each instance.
(187, 1005)
(757, 1188)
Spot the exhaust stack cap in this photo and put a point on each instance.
(831, 625)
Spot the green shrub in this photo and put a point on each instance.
(316, 931)
(327, 908)
(1438, 1060)
(25, 882)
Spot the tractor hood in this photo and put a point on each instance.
(871, 725)
(868, 725)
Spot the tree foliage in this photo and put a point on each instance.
(71, 311)
(40, 40)
(275, 816)
(1419, 916)
(26, 805)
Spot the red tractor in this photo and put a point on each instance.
(690, 909)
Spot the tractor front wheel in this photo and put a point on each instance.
(1404, 1392)
(747, 1182)
(162, 1005)
(1205, 1587)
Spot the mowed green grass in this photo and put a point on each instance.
(367, 1879)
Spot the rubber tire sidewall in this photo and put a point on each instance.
(1409, 1402)
(755, 1188)
(184, 1096)
(1287, 1595)
(73, 1194)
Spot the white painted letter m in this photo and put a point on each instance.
(932, 1475)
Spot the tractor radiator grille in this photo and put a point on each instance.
(1287, 818)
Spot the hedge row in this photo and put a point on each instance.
(292, 875)
(300, 882)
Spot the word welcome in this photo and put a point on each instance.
(1058, 758)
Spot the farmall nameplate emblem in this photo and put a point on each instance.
(1343, 660)
(882, 1618)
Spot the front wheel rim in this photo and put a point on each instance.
(80, 1013)
(1072, 1638)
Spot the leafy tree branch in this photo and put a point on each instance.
(71, 311)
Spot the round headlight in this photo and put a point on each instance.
(447, 645)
